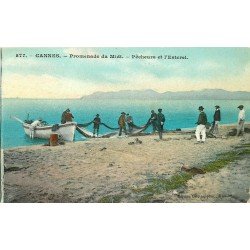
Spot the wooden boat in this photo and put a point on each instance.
(66, 131)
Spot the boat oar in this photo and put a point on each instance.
(17, 119)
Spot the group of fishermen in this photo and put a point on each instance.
(157, 121)
(124, 121)
(214, 130)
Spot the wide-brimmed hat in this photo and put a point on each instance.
(217, 106)
(240, 106)
(159, 110)
(200, 108)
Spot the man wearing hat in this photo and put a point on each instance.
(217, 118)
(241, 120)
(160, 122)
(122, 123)
(66, 116)
(96, 123)
(201, 126)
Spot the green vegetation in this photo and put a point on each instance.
(179, 180)
(111, 198)
(221, 162)
(159, 186)
(163, 185)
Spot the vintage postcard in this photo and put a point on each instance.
(125, 125)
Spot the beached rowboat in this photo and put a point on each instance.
(66, 131)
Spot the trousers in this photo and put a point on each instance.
(200, 131)
(240, 127)
(160, 130)
(215, 128)
(122, 128)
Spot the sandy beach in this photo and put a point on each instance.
(120, 170)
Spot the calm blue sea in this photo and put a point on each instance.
(178, 113)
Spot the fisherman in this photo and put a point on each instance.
(160, 122)
(217, 118)
(122, 123)
(129, 121)
(201, 126)
(153, 120)
(96, 122)
(63, 120)
(68, 116)
(241, 120)
(33, 126)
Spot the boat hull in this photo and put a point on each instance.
(66, 131)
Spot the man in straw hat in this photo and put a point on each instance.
(201, 126)
(217, 118)
(122, 123)
(241, 120)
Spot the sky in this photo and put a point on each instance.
(74, 77)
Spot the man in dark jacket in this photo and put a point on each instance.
(96, 122)
(153, 120)
(217, 118)
(129, 121)
(160, 122)
(201, 126)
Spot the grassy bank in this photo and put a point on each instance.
(160, 185)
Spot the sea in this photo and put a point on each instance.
(178, 113)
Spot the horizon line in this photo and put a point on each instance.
(81, 97)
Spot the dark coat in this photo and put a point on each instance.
(63, 120)
(97, 122)
(202, 119)
(217, 115)
(160, 118)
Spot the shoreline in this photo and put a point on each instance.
(112, 169)
(166, 133)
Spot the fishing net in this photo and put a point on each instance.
(105, 125)
(84, 125)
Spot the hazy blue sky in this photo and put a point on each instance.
(65, 77)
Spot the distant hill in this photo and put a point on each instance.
(205, 94)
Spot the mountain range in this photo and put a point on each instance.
(205, 94)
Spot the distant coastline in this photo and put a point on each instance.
(149, 94)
